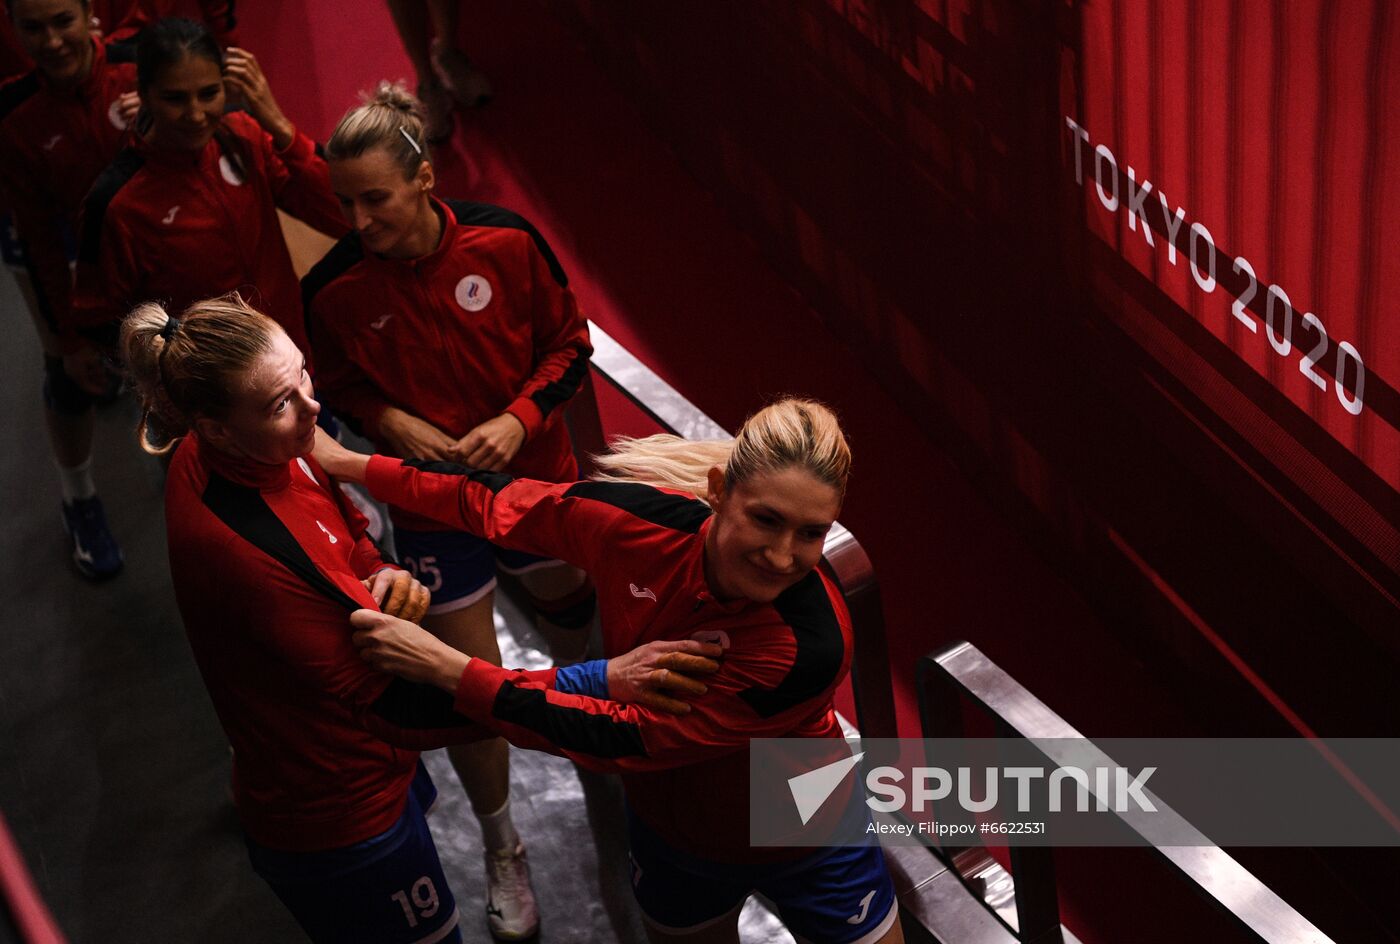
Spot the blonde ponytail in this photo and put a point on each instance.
(789, 432)
(185, 368)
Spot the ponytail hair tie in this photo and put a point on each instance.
(171, 326)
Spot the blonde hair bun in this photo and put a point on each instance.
(390, 117)
(395, 95)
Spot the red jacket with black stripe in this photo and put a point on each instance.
(267, 563)
(53, 145)
(686, 776)
(485, 324)
(179, 226)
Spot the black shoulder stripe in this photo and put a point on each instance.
(820, 648)
(572, 729)
(642, 501)
(418, 707)
(560, 391)
(486, 214)
(495, 481)
(249, 516)
(104, 190)
(123, 50)
(342, 257)
(405, 704)
(18, 91)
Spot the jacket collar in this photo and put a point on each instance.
(241, 471)
(435, 258)
(699, 587)
(175, 157)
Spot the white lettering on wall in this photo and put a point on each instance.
(1350, 374)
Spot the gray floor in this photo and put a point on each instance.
(113, 769)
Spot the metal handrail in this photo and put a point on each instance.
(962, 671)
(844, 560)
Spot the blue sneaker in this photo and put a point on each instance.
(95, 551)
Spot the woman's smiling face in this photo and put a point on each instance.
(768, 532)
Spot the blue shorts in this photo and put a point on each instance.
(386, 890)
(458, 568)
(840, 895)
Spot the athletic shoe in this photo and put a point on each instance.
(438, 104)
(464, 81)
(95, 551)
(510, 901)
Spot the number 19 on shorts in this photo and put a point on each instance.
(419, 903)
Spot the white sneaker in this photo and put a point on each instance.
(510, 901)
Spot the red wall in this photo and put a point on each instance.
(909, 167)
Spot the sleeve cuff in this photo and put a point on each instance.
(476, 689)
(584, 678)
(301, 147)
(382, 477)
(524, 409)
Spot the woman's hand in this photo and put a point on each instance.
(128, 107)
(245, 81)
(413, 438)
(645, 675)
(337, 460)
(407, 650)
(492, 445)
(398, 593)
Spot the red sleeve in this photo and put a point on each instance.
(37, 220)
(301, 629)
(106, 284)
(136, 18)
(562, 347)
(521, 514)
(339, 379)
(613, 737)
(301, 182)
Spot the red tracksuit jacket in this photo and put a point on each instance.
(179, 226)
(483, 325)
(267, 563)
(53, 145)
(686, 776)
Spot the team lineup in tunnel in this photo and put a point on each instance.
(1097, 291)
